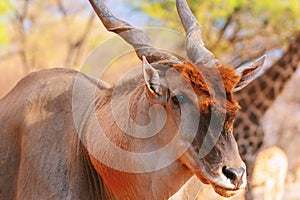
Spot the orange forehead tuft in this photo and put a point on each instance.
(212, 82)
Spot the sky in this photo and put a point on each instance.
(125, 11)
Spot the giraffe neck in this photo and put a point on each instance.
(257, 97)
(261, 93)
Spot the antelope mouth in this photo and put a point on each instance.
(225, 192)
(220, 183)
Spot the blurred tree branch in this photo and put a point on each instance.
(39, 25)
(20, 17)
(230, 19)
(75, 48)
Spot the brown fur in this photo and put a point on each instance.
(206, 81)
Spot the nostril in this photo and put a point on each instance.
(229, 173)
(234, 174)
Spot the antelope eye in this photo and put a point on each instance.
(180, 99)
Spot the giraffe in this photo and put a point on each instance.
(255, 101)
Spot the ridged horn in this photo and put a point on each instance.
(137, 38)
(196, 50)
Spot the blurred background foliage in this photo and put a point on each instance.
(235, 30)
(37, 34)
(5, 9)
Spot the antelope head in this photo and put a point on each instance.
(203, 89)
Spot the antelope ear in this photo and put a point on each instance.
(248, 73)
(152, 80)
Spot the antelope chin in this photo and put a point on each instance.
(225, 192)
(220, 184)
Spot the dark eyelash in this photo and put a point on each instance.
(180, 99)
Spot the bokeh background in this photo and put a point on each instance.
(38, 34)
